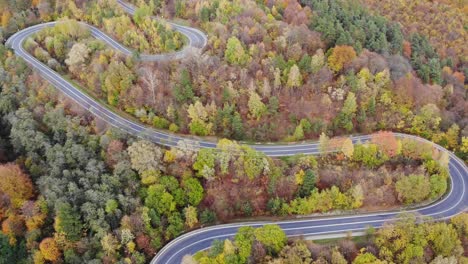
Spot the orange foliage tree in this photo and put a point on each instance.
(340, 56)
(387, 142)
(15, 184)
(5, 18)
(13, 227)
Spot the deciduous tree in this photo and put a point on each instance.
(78, 54)
(190, 214)
(387, 143)
(340, 56)
(294, 77)
(15, 184)
(49, 249)
(235, 53)
(193, 191)
(256, 107)
(413, 188)
(145, 156)
(272, 236)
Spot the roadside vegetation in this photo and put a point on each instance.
(139, 32)
(74, 190)
(88, 192)
(406, 240)
(282, 67)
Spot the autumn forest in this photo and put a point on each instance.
(74, 189)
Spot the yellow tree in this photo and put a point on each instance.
(5, 18)
(191, 219)
(348, 148)
(235, 53)
(256, 107)
(49, 249)
(294, 77)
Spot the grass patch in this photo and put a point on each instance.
(334, 241)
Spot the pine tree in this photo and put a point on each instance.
(183, 92)
(308, 184)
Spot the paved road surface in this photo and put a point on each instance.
(453, 203)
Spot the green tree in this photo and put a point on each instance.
(244, 240)
(159, 199)
(367, 258)
(175, 227)
(117, 79)
(207, 217)
(444, 240)
(141, 13)
(11, 253)
(67, 221)
(369, 155)
(438, 185)
(427, 121)
(205, 159)
(237, 126)
(193, 191)
(298, 133)
(254, 162)
(256, 107)
(180, 8)
(308, 185)
(272, 237)
(235, 53)
(413, 188)
(183, 91)
(348, 112)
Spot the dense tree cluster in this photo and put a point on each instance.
(69, 47)
(269, 239)
(162, 114)
(442, 22)
(73, 190)
(140, 32)
(348, 23)
(407, 240)
(117, 198)
(99, 201)
(274, 73)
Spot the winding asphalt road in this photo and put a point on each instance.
(455, 202)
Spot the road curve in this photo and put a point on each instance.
(197, 39)
(454, 202)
